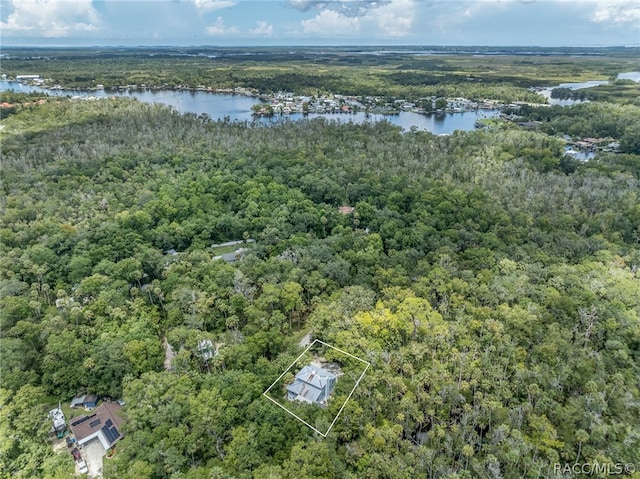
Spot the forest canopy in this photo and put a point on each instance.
(492, 285)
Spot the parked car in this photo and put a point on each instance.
(82, 467)
(76, 454)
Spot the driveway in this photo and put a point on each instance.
(93, 453)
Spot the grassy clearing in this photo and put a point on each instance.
(220, 250)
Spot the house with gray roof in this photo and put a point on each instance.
(232, 257)
(312, 385)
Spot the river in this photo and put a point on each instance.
(238, 108)
(546, 92)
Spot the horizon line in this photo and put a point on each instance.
(363, 45)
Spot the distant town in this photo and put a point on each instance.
(284, 103)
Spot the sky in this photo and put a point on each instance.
(312, 22)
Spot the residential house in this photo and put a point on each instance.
(102, 424)
(232, 257)
(312, 385)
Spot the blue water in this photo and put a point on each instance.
(238, 108)
(571, 86)
(584, 84)
(635, 76)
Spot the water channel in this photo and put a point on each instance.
(238, 108)
(546, 92)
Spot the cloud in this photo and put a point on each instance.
(50, 18)
(617, 12)
(330, 22)
(392, 18)
(262, 28)
(219, 29)
(304, 5)
(210, 5)
(604, 11)
(452, 16)
(348, 8)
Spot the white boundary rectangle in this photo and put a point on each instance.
(265, 393)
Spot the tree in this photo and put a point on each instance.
(291, 297)
(63, 366)
(24, 428)
(629, 142)
(440, 104)
(311, 460)
(242, 453)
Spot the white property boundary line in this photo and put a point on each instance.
(265, 393)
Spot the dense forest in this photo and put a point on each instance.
(492, 283)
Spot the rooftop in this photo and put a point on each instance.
(346, 209)
(105, 418)
(312, 385)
